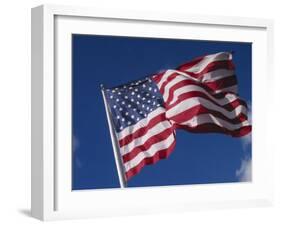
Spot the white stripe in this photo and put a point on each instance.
(208, 118)
(181, 77)
(142, 123)
(164, 77)
(170, 72)
(195, 101)
(216, 75)
(208, 77)
(227, 89)
(190, 88)
(149, 152)
(197, 68)
(171, 84)
(160, 127)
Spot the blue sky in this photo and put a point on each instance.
(197, 158)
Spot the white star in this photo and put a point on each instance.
(121, 127)
(117, 100)
(123, 119)
(143, 85)
(133, 93)
(158, 105)
(155, 90)
(138, 118)
(149, 88)
(138, 96)
(136, 90)
(118, 117)
(123, 102)
(147, 108)
(132, 100)
(138, 102)
(111, 97)
(129, 105)
(126, 113)
(120, 109)
(143, 98)
(130, 87)
(148, 101)
(129, 123)
(114, 106)
(147, 94)
(126, 97)
(113, 91)
(119, 93)
(132, 116)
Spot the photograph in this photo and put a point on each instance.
(160, 112)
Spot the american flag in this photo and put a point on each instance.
(199, 96)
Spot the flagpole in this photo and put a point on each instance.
(114, 141)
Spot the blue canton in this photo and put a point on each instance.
(132, 102)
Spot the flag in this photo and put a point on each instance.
(199, 96)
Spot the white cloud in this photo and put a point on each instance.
(246, 141)
(244, 173)
(75, 147)
(75, 143)
(249, 104)
(78, 162)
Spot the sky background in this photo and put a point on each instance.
(197, 158)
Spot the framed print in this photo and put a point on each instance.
(135, 112)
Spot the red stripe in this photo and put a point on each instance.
(161, 154)
(199, 109)
(158, 77)
(189, 82)
(220, 95)
(213, 85)
(236, 103)
(217, 84)
(147, 144)
(213, 128)
(168, 79)
(142, 131)
(215, 65)
(222, 83)
(229, 106)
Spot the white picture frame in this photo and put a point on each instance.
(52, 197)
